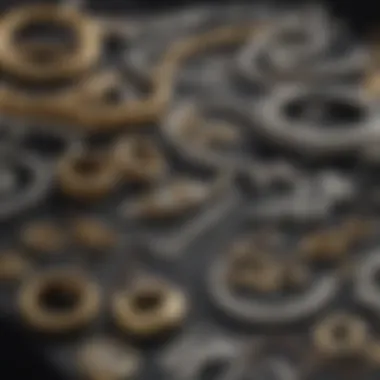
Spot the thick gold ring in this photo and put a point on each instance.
(341, 335)
(59, 301)
(149, 308)
(87, 176)
(86, 53)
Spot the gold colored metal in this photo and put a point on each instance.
(108, 359)
(83, 56)
(340, 336)
(357, 229)
(372, 79)
(70, 107)
(94, 234)
(59, 301)
(87, 176)
(330, 245)
(13, 266)
(296, 276)
(148, 308)
(180, 196)
(140, 159)
(43, 236)
(372, 351)
(253, 270)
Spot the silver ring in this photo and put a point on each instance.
(259, 312)
(309, 138)
(37, 175)
(366, 289)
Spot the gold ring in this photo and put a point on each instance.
(341, 335)
(59, 301)
(149, 308)
(80, 59)
(87, 175)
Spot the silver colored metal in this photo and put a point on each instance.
(300, 48)
(253, 311)
(28, 181)
(196, 351)
(308, 137)
(310, 199)
(286, 47)
(220, 197)
(175, 244)
(366, 287)
(204, 133)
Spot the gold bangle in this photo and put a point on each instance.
(59, 301)
(81, 59)
(149, 308)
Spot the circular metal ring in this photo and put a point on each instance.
(149, 308)
(289, 44)
(84, 56)
(25, 180)
(87, 175)
(59, 301)
(341, 335)
(297, 308)
(348, 136)
(366, 288)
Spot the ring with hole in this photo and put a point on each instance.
(257, 311)
(13, 266)
(43, 237)
(87, 175)
(108, 358)
(81, 58)
(283, 119)
(59, 301)
(366, 283)
(280, 52)
(340, 335)
(149, 308)
(25, 181)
